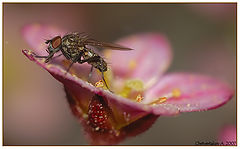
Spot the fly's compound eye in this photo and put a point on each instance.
(56, 42)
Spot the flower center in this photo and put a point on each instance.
(132, 89)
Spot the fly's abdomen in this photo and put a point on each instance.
(94, 59)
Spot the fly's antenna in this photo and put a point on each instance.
(47, 41)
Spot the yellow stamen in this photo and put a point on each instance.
(176, 93)
(159, 101)
(125, 92)
(139, 98)
(136, 85)
(132, 64)
(132, 87)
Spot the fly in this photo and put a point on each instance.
(73, 47)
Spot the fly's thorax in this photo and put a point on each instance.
(71, 48)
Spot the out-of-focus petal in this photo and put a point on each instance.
(37, 34)
(227, 135)
(190, 92)
(149, 59)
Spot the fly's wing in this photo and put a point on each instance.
(95, 43)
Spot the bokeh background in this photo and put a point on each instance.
(36, 112)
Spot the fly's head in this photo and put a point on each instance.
(54, 45)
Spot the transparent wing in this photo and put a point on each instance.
(93, 42)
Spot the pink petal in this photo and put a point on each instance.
(37, 34)
(151, 55)
(76, 85)
(138, 117)
(80, 89)
(197, 92)
(227, 135)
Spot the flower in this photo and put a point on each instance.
(227, 135)
(141, 91)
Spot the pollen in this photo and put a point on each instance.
(108, 75)
(132, 64)
(159, 101)
(49, 66)
(99, 84)
(139, 98)
(176, 93)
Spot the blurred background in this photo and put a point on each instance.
(203, 40)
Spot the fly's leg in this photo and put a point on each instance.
(105, 82)
(38, 56)
(90, 74)
(58, 56)
(92, 59)
(74, 61)
(47, 57)
(69, 67)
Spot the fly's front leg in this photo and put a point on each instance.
(38, 56)
(47, 57)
